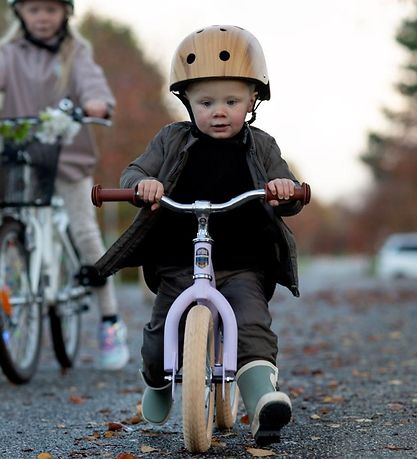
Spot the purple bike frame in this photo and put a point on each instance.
(203, 292)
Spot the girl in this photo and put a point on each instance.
(42, 60)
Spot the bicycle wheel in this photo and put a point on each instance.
(226, 408)
(65, 314)
(20, 311)
(198, 390)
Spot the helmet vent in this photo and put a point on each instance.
(224, 55)
(190, 58)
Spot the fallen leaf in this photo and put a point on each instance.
(296, 391)
(126, 456)
(133, 420)
(315, 417)
(139, 408)
(108, 434)
(147, 449)
(218, 443)
(333, 384)
(95, 436)
(44, 456)
(325, 410)
(398, 448)
(244, 419)
(396, 406)
(76, 399)
(116, 426)
(256, 452)
(332, 399)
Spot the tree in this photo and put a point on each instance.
(137, 86)
(392, 157)
(140, 112)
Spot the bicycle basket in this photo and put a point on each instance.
(27, 173)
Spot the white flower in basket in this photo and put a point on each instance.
(56, 125)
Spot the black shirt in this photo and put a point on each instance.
(216, 171)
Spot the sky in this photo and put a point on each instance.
(332, 67)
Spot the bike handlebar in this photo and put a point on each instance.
(77, 113)
(99, 195)
(66, 106)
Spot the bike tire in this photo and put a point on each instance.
(20, 311)
(198, 390)
(226, 408)
(65, 315)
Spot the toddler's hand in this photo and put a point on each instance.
(96, 108)
(150, 190)
(281, 188)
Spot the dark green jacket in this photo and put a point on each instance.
(164, 159)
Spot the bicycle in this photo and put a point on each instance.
(40, 269)
(210, 341)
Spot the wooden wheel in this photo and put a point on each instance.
(226, 408)
(198, 390)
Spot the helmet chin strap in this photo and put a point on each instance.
(187, 105)
(51, 47)
(255, 107)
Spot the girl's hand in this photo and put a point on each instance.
(281, 188)
(150, 190)
(96, 108)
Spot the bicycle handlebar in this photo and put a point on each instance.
(77, 113)
(66, 106)
(99, 195)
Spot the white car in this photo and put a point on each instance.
(397, 257)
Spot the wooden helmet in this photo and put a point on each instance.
(220, 51)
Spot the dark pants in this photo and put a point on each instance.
(245, 291)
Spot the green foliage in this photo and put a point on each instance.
(17, 133)
(407, 34)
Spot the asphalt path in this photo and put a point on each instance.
(348, 360)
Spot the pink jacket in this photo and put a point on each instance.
(28, 76)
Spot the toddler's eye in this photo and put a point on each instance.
(231, 102)
(205, 103)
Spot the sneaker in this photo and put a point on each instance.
(114, 353)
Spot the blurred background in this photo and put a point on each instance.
(343, 109)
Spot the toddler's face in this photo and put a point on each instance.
(43, 18)
(220, 106)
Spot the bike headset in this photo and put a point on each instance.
(62, 33)
(219, 52)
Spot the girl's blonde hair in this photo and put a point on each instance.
(66, 51)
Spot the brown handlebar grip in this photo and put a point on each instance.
(99, 195)
(301, 193)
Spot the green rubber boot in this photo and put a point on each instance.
(268, 408)
(156, 403)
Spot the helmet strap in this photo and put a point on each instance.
(187, 105)
(255, 106)
(53, 47)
